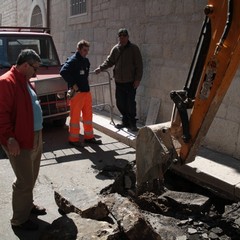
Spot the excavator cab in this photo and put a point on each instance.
(213, 67)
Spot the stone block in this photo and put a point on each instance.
(128, 216)
(81, 201)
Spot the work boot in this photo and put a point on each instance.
(93, 141)
(76, 144)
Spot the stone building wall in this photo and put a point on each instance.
(8, 12)
(165, 31)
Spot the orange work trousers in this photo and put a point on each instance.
(80, 106)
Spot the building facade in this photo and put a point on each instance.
(166, 32)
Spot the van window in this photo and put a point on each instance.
(10, 47)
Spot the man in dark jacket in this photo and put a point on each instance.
(75, 72)
(128, 69)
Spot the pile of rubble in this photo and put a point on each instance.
(117, 213)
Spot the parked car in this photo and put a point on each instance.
(50, 86)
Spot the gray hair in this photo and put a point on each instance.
(28, 55)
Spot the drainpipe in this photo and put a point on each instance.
(48, 14)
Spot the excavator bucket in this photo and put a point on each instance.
(214, 65)
(155, 153)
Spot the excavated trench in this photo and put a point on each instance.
(173, 209)
(180, 209)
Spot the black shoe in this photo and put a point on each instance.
(38, 210)
(28, 226)
(134, 128)
(76, 144)
(93, 141)
(121, 125)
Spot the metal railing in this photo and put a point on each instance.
(102, 91)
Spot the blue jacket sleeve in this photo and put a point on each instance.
(68, 72)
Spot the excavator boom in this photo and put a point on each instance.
(214, 65)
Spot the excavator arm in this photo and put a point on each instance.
(214, 65)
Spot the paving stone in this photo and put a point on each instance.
(81, 201)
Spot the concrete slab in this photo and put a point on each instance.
(153, 111)
(219, 172)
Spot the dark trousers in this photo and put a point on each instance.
(125, 99)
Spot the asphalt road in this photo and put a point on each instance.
(62, 167)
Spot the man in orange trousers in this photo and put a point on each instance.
(75, 72)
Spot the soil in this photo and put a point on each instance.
(220, 219)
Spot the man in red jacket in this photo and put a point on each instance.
(21, 135)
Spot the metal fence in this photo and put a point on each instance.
(101, 89)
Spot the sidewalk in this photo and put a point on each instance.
(218, 172)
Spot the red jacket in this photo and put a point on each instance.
(16, 113)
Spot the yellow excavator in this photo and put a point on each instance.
(212, 70)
